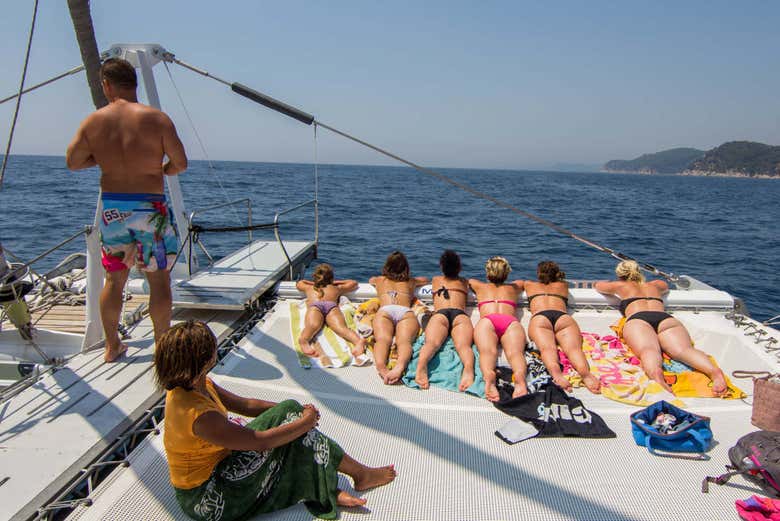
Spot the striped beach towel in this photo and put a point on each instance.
(334, 350)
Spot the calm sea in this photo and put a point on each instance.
(722, 231)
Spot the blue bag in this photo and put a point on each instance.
(695, 434)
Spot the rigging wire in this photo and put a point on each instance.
(19, 96)
(37, 86)
(212, 170)
(316, 191)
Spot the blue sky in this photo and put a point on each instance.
(460, 84)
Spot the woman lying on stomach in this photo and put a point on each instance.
(649, 330)
(221, 470)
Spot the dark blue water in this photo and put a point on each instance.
(722, 231)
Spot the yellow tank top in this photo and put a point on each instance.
(191, 459)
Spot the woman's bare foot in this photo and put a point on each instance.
(592, 383)
(114, 353)
(421, 376)
(520, 390)
(562, 382)
(491, 392)
(466, 380)
(306, 348)
(373, 477)
(719, 386)
(360, 347)
(394, 375)
(382, 372)
(343, 499)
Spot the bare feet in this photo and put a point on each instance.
(491, 392)
(375, 477)
(344, 499)
(360, 347)
(306, 347)
(466, 380)
(393, 376)
(381, 371)
(592, 383)
(114, 353)
(520, 390)
(719, 386)
(562, 382)
(421, 377)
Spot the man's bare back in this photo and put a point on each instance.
(128, 141)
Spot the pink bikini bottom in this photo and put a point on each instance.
(501, 322)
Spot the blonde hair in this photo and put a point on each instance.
(629, 270)
(322, 276)
(497, 269)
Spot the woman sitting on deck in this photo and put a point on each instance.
(395, 289)
(221, 470)
(497, 303)
(450, 318)
(322, 294)
(648, 330)
(551, 325)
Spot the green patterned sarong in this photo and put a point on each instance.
(250, 482)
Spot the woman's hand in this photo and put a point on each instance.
(311, 416)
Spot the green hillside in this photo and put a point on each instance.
(671, 161)
(740, 157)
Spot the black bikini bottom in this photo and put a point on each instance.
(552, 315)
(451, 314)
(654, 318)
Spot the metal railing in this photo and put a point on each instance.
(197, 211)
(279, 238)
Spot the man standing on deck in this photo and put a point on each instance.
(128, 141)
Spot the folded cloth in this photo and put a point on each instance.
(334, 350)
(623, 380)
(445, 368)
(757, 508)
(555, 414)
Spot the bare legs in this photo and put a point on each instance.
(567, 334)
(513, 343)
(405, 332)
(364, 478)
(312, 323)
(338, 324)
(110, 308)
(435, 335)
(676, 342)
(673, 339)
(160, 301)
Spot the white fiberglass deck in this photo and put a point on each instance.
(450, 464)
(239, 278)
(53, 429)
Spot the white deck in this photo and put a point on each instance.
(450, 464)
(55, 428)
(234, 281)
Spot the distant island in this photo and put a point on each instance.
(735, 159)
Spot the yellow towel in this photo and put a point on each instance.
(334, 350)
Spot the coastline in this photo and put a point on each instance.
(696, 173)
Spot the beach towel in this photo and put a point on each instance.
(445, 368)
(546, 406)
(757, 508)
(334, 350)
(623, 380)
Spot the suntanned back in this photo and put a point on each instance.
(127, 142)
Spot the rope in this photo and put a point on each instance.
(212, 170)
(37, 86)
(441, 177)
(198, 229)
(502, 204)
(19, 98)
